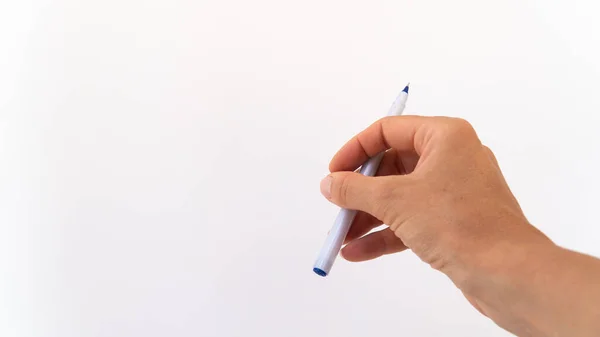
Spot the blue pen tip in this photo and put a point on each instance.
(320, 272)
(406, 88)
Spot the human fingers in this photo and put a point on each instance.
(406, 134)
(373, 246)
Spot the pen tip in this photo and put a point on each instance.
(406, 88)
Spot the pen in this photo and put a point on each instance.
(343, 221)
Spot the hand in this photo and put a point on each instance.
(443, 196)
(439, 190)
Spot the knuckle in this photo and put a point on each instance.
(459, 126)
(343, 188)
(489, 152)
(382, 201)
(456, 129)
(388, 119)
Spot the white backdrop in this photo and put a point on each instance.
(160, 159)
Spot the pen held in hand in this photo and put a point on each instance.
(343, 221)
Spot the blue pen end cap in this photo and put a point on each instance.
(320, 272)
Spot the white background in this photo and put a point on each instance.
(160, 159)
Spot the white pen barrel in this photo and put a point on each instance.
(343, 221)
(341, 226)
(334, 242)
(369, 169)
(398, 106)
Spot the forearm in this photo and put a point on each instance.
(563, 296)
(539, 290)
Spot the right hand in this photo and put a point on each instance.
(443, 196)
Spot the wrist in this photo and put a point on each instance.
(504, 261)
(525, 288)
(516, 281)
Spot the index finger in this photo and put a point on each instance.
(403, 133)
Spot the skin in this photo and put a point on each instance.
(442, 195)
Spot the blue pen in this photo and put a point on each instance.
(344, 219)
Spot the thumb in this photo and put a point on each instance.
(355, 191)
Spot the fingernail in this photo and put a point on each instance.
(326, 187)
